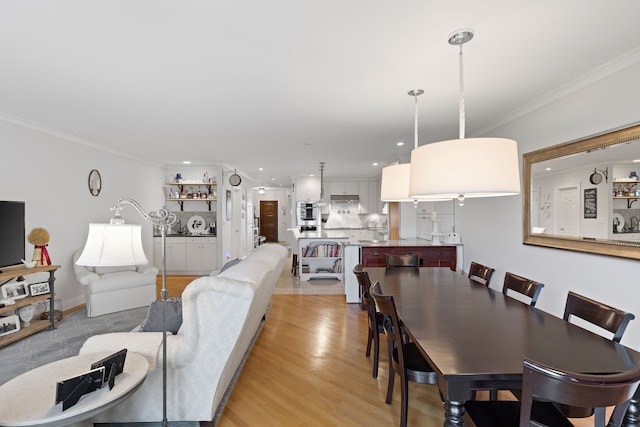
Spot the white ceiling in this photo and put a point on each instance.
(284, 84)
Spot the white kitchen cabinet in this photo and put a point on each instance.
(363, 193)
(375, 205)
(187, 255)
(340, 188)
(307, 189)
(201, 254)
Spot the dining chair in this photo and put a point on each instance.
(544, 382)
(408, 260)
(480, 273)
(405, 358)
(521, 285)
(374, 319)
(604, 316)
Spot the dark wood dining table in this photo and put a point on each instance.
(476, 338)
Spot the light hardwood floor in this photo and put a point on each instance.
(308, 368)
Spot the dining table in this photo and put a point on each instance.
(476, 338)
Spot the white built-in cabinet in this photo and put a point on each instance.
(368, 192)
(188, 255)
(340, 188)
(307, 189)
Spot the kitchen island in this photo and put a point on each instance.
(320, 254)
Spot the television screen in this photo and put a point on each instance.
(12, 233)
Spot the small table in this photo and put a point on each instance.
(29, 399)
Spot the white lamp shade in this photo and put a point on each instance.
(394, 184)
(110, 245)
(472, 167)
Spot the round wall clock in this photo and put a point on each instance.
(235, 179)
(595, 178)
(95, 182)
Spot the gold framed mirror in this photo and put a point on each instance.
(585, 195)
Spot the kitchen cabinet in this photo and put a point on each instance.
(339, 188)
(187, 255)
(363, 193)
(375, 204)
(430, 256)
(307, 189)
(201, 254)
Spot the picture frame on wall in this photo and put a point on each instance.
(591, 203)
(15, 290)
(228, 205)
(39, 288)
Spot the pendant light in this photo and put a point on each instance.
(462, 168)
(322, 201)
(394, 183)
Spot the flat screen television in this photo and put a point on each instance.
(12, 233)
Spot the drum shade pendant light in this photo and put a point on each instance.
(394, 184)
(462, 168)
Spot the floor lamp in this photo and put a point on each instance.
(117, 244)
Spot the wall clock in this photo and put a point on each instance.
(95, 182)
(235, 179)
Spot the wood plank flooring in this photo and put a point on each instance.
(308, 368)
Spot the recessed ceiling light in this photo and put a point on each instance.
(310, 174)
(636, 160)
(186, 162)
(548, 169)
(260, 169)
(375, 163)
(273, 179)
(399, 143)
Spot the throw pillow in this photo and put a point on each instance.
(153, 322)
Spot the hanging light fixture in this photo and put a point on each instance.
(462, 168)
(322, 201)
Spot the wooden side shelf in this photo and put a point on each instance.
(36, 325)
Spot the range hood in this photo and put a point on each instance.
(347, 198)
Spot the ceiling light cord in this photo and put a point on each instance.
(462, 115)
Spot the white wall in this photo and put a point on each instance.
(50, 174)
(491, 228)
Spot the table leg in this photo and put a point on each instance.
(453, 413)
(52, 311)
(632, 416)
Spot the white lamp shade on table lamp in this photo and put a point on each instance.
(472, 167)
(110, 245)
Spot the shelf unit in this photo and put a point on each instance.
(623, 186)
(320, 258)
(36, 325)
(210, 195)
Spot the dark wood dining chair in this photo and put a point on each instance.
(480, 273)
(409, 260)
(522, 285)
(544, 382)
(604, 316)
(374, 319)
(405, 358)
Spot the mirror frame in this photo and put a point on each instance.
(617, 248)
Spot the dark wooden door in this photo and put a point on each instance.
(269, 220)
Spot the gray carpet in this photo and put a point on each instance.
(48, 346)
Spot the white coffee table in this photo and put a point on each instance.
(29, 399)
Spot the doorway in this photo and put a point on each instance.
(568, 217)
(269, 220)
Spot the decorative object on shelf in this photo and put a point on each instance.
(39, 237)
(25, 314)
(596, 177)
(39, 288)
(235, 179)
(95, 182)
(196, 224)
(454, 169)
(9, 324)
(117, 244)
(633, 175)
(28, 264)
(15, 290)
(178, 178)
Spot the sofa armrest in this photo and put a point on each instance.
(147, 269)
(148, 344)
(85, 277)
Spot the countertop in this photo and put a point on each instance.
(401, 242)
(187, 235)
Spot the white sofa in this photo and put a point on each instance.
(221, 315)
(112, 289)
